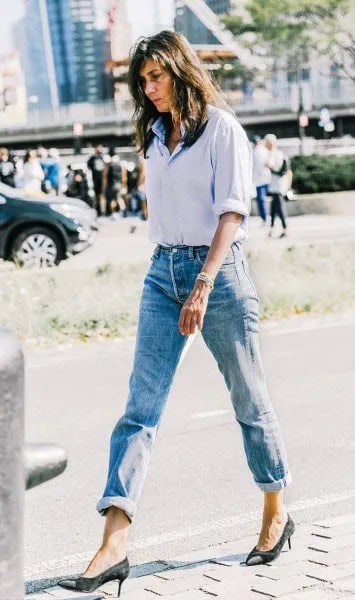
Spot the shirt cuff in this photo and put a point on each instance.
(231, 205)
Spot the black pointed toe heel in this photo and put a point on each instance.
(259, 557)
(118, 572)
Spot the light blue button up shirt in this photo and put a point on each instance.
(188, 190)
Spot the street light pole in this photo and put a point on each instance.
(301, 104)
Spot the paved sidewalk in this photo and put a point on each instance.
(321, 566)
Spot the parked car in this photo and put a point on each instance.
(42, 230)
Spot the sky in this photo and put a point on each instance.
(143, 15)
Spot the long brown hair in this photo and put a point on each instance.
(193, 89)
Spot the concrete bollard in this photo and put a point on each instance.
(43, 462)
(18, 470)
(12, 481)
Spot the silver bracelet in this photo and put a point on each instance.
(206, 279)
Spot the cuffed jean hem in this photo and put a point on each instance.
(119, 502)
(275, 486)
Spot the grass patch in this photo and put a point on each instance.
(312, 279)
(54, 306)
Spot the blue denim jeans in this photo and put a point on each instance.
(230, 330)
(261, 192)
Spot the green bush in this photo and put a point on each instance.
(317, 173)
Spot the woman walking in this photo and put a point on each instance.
(33, 174)
(198, 185)
(281, 178)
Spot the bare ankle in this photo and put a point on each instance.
(114, 551)
(116, 528)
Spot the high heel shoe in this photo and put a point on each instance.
(260, 557)
(119, 572)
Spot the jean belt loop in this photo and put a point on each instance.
(191, 252)
(157, 251)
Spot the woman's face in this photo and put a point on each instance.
(157, 84)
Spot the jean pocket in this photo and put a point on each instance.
(229, 260)
(201, 256)
(155, 255)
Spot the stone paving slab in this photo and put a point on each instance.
(338, 520)
(332, 574)
(317, 594)
(336, 557)
(59, 593)
(317, 568)
(347, 585)
(191, 595)
(276, 571)
(282, 587)
(235, 551)
(209, 569)
(330, 532)
(138, 595)
(327, 545)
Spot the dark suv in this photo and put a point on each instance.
(41, 231)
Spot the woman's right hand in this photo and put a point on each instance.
(194, 309)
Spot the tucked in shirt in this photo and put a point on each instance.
(190, 189)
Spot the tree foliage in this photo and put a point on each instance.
(287, 30)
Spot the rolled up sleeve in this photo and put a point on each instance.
(232, 165)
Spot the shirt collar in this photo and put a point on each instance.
(159, 129)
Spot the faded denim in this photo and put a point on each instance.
(230, 331)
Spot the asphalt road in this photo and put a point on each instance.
(199, 491)
(126, 240)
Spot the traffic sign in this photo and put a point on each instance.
(303, 120)
(77, 129)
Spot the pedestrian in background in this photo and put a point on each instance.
(7, 168)
(97, 164)
(198, 186)
(261, 175)
(51, 169)
(281, 177)
(116, 183)
(33, 174)
(77, 185)
(141, 189)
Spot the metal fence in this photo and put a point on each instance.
(260, 101)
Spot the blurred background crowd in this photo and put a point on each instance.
(111, 184)
(287, 71)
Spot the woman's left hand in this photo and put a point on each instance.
(194, 309)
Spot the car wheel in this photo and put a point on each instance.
(37, 247)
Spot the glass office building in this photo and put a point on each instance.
(78, 50)
(65, 30)
(187, 23)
